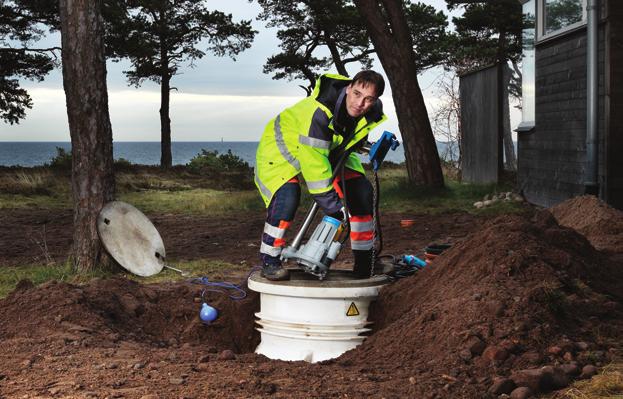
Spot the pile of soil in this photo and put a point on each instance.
(517, 295)
(601, 224)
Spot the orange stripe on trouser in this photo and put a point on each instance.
(361, 235)
(280, 242)
(348, 174)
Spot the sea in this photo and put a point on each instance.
(22, 153)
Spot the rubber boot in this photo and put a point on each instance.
(275, 273)
(363, 263)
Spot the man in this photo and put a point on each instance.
(306, 140)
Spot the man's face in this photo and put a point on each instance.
(360, 98)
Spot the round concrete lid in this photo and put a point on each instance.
(131, 239)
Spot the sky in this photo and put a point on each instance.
(218, 99)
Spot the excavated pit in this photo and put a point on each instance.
(107, 311)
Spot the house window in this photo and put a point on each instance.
(527, 66)
(559, 16)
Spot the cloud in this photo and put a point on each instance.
(135, 116)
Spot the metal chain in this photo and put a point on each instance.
(374, 199)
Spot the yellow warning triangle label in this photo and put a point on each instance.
(352, 310)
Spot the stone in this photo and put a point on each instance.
(521, 393)
(588, 371)
(475, 345)
(554, 350)
(487, 202)
(176, 381)
(226, 355)
(493, 353)
(478, 204)
(501, 385)
(201, 367)
(531, 378)
(138, 366)
(581, 346)
(571, 369)
(557, 378)
(568, 357)
(529, 358)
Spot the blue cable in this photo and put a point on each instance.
(232, 290)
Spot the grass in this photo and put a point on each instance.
(23, 201)
(608, 384)
(398, 195)
(196, 201)
(10, 276)
(177, 191)
(38, 274)
(147, 181)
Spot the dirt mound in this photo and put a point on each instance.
(497, 303)
(601, 224)
(106, 311)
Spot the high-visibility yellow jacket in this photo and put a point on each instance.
(304, 137)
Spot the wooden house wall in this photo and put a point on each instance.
(478, 93)
(614, 104)
(551, 159)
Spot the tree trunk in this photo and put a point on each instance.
(84, 81)
(335, 55)
(509, 146)
(166, 160)
(390, 35)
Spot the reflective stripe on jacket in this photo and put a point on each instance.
(300, 140)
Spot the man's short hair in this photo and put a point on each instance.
(370, 77)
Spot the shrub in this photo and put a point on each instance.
(28, 183)
(122, 164)
(62, 160)
(212, 161)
